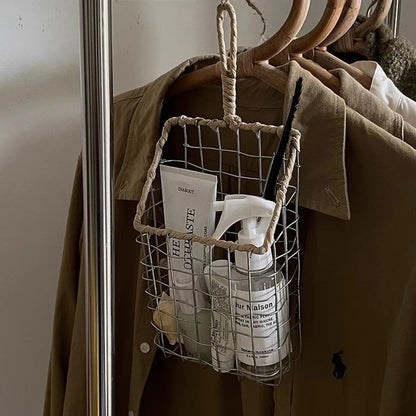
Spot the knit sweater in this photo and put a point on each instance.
(397, 56)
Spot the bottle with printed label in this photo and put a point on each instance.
(261, 309)
(260, 297)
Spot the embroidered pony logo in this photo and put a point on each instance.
(340, 367)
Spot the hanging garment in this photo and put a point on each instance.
(358, 98)
(358, 267)
(384, 88)
(397, 56)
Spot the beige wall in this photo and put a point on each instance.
(40, 138)
(407, 27)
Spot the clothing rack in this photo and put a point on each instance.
(393, 19)
(96, 83)
(97, 158)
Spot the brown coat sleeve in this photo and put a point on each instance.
(70, 292)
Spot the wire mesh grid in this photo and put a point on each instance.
(250, 322)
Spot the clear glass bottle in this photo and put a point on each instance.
(261, 322)
(259, 293)
(261, 312)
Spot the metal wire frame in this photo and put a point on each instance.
(206, 150)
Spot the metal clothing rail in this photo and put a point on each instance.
(393, 19)
(96, 81)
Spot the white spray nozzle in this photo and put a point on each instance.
(246, 208)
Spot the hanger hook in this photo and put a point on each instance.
(375, 20)
(370, 8)
(228, 65)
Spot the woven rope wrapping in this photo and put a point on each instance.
(228, 65)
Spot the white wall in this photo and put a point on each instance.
(40, 138)
(39, 141)
(150, 37)
(407, 25)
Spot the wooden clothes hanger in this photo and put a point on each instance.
(320, 54)
(358, 32)
(375, 20)
(255, 61)
(349, 14)
(311, 40)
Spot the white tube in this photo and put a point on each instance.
(188, 199)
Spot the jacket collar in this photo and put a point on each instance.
(358, 98)
(321, 119)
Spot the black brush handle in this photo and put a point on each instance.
(271, 181)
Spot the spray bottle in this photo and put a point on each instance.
(259, 295)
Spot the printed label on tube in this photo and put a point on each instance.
(188, 198)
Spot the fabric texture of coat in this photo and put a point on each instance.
(358, 199)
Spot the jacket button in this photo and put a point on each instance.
(144, 347)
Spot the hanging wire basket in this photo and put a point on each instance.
(248, 323)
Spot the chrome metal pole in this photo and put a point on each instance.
(393, 19)
(96, 80)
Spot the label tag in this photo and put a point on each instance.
(266, 331)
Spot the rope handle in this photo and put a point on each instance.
(228, 67)
(228, 64)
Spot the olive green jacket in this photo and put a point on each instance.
(358, 198)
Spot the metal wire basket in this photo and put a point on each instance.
(249, 324)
